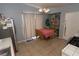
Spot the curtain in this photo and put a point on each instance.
(30, 23)
(39, 21)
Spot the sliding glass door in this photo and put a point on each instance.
(31, 22)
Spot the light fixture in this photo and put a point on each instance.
(44, 10)
(40, 10)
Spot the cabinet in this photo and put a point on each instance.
(9, 32)
(6, 47)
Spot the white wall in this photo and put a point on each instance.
(70, 9)
(15, 11)
(72, 24)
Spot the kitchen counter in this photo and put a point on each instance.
(70, 50)
(5, 43)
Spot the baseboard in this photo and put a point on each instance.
(21, 41)
(27, 40)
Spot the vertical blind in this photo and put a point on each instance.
(31, 22)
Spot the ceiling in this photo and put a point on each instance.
(48, 5)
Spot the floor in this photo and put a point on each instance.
(52, 47)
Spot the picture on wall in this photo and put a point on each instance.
(53, 22)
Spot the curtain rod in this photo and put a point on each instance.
(35, 13)
(31, 12)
